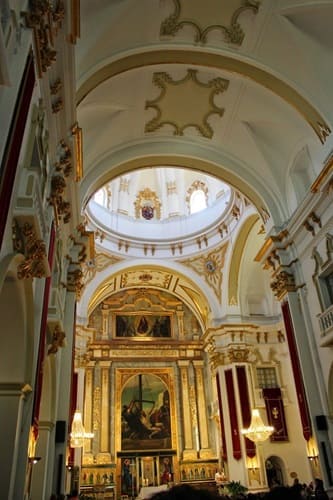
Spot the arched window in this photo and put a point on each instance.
(198, 201)
(99, 197)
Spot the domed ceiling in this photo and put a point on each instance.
(160, 208)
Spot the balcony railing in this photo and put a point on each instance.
(326, 327)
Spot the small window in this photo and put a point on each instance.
(328, 280)
(197, 201)
(267, 378)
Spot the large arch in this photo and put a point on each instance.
(237, 65)
(185, 285)
(185, 154)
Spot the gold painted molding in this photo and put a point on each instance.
(210, 268)
(200, 164)
(221, 62)
(165, 279)
(236, 259)
(174, 100)
(232, 33)
(75, 18)
(45, 22)
(77, 134)
(97, 264)
(326, 171)
(144, 196)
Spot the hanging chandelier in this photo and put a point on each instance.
(258, 431)
(78, 434)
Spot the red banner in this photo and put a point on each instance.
(224, 453)
(42, 335)
(236, 444)
(301, 396)
(14, 141)
(245, 408)
(275, 413)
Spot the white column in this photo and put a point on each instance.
(15, 418)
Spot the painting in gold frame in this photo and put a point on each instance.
(148, 389)
(141, 326)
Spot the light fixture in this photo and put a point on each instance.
(34, 460)
(258, 431)
(78, 434)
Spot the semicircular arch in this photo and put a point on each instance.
(187, 154)
(146, 56)
(183, 283)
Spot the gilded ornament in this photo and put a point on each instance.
(33, 249)
(233, 33)
(283, 283)
(45, 22)
(171, 88)
(58, 340)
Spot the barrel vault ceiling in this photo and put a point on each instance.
(229, 88)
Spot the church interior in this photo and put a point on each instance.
(166, 258)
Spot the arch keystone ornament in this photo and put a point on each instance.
(174, 105)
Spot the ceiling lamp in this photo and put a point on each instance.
(258, 431)
(78, 434)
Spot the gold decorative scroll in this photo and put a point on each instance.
(77, 133)
(231, 28)
(25, 241)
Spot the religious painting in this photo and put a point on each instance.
(166, 470)
(145, 414)
(128, 477)
(143, 326)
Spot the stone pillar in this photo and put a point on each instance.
(188, 451)
(64, 388)
(205, 451)
(15, 410)
(41, 484)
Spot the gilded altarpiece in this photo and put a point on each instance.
(145, 415)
